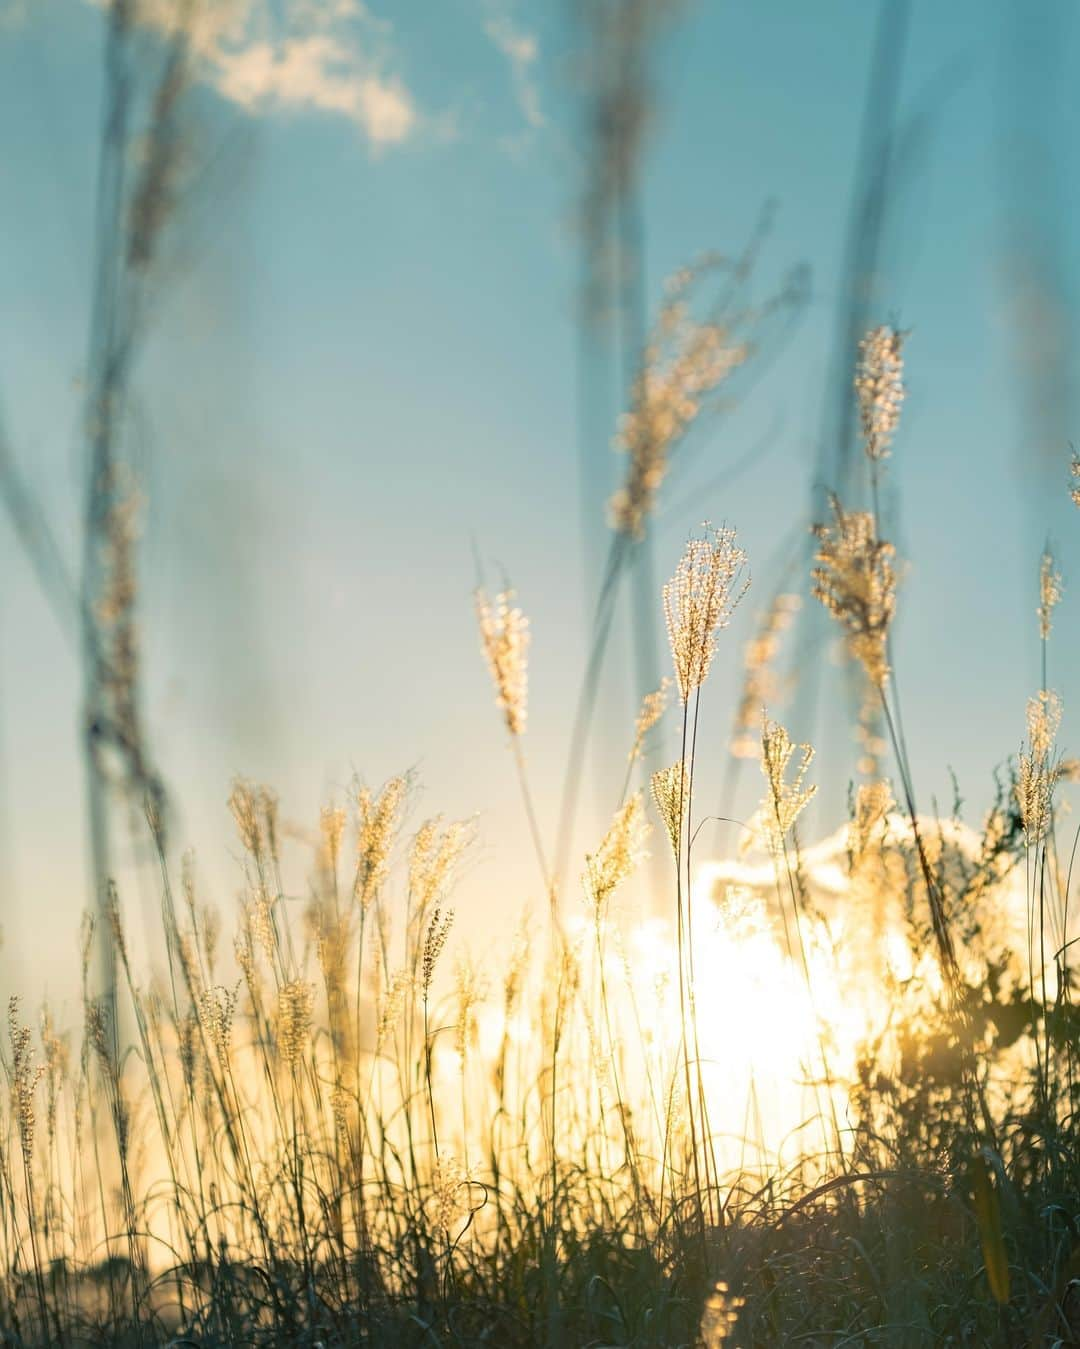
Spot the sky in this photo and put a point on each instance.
(362, 374)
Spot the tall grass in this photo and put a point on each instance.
(344, 1130)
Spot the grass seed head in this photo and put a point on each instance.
(25, 1076)
(1049, 592)
(785, 800)
(617, 857)
(1038, 774)
(879, 385)
(699, 600)
(856, 582)
(296, 1001)
(504, 637)
(684, 362)
(653, 707)
(377, 818)
(671, 793)
(437, 933)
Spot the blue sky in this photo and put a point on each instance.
(362, 373)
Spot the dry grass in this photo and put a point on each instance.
(344, 1131)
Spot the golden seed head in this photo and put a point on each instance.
(25, 1076)
(243, 804)
(331, 830)
(97, 1030)
(684, 362)
(434, 854)
(699, 601)
(784, 801)
(1049, 592)
(1038, 775)
(189, 1047)
(267, 804)
(760, 684)
(216, 1008)
(469, 991)
(340, 1103)
(504, 637)
(211, 933)
(1075, 490)
(671, 792)
(617, 857)
(879, 385)
(516, 966)
(437, 932)
(295, 1003)
(1034, 789)
(675, 1110)
(57, 1063)
(389, 1004)
(376, 823)
(1043, 722)
(600, 1058)
(856, 583)
(653, 706)
(449, 1192)
(259, 921)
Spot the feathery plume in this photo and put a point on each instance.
(389, 1004)
(699, 600)
(671, 792)
(653, 706)
(856, 583)
(449, 1191)
(434, 853)
(331, 829)
(57, 1060)
(469, 991)
(377, 819)
(683, 362)
(437, 932)
(1049, 592)
(25, 1076)
(617, 856)
(504, 636)
(243, 802)
(216, 1008)
(1038, 775)
(295, 1002)
(785, 800)
(879, 384)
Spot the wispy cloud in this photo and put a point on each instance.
(320, 72)
(330, 56)
(521, 49)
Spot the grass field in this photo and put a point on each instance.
(818, 1095)
(809, 1092)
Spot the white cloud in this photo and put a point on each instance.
(521, 49)
(330, 56)
(320, 72)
